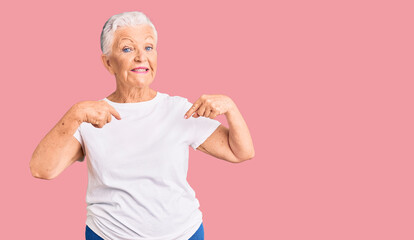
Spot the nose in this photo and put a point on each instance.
(139, 56)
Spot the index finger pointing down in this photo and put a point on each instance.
(114, 112)
(191, 110)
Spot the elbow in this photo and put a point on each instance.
(37, 173)
(247, 157)
(42, 175)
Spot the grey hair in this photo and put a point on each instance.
(122, 20)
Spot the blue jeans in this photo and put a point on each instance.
(91, 235)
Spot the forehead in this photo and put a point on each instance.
(134, 33)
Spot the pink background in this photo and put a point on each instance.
(326, 88)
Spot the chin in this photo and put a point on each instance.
(144, 82)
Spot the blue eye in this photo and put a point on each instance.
(126, 49)
(147, 48)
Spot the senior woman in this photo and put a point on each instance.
(138, 162)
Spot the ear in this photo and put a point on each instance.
(105, 61)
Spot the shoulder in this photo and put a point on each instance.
(173, 98)
(178, 105)
(177, 101)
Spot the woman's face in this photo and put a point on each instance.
(133, 47)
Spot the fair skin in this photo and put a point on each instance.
(132, 47)
(135, 47)
(234, 144)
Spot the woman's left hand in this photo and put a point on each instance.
(210, 106)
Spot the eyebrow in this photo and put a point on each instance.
(128, 39)
(122, 39)
(132, 41)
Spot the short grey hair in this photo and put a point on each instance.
(122, 20)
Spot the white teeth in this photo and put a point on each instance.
(140, 70)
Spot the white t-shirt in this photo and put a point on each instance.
(137, 170)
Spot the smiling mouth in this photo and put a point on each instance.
(140, 70)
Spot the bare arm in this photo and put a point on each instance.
(240, 141)
(217, 145)
(59, 148)
(234, 144)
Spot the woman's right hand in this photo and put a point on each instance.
(97, 113)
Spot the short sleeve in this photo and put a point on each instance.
(201, 128)
(78, 137)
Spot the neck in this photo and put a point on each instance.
(132, 95)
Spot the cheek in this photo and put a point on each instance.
(153, 60)
(124, 64)
(117, 63)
